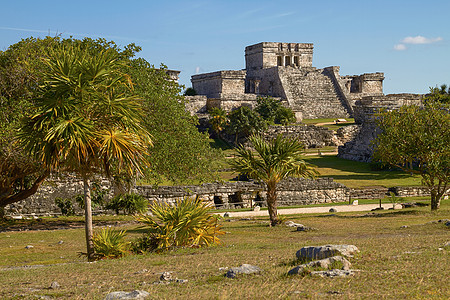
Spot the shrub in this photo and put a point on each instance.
(188, 223)
(128, 203)
(190, 92)
(218, 119)
(244, 121)
(284, 116)
(97, 196)
(272, 111)
(110, 243)
(66, 206)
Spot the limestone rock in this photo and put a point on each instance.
(137, 294)
(243, 269)
(305, 228)
(293, 224)
(29, 247)
(166, 276)
(54, 285)
(325, 263)
(320, 252)
(333, 273)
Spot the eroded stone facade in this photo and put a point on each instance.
(285, 71)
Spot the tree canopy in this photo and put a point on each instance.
(439, 94)
(88, 121)
(180, 152)
(417, 140)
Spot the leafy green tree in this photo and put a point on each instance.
(441, 94)
(417, 140)
(270, 162)
(244, 121)
(180, 153)
(273, 111)
(20, 75)
(88, 120)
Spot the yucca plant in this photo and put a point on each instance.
(110, 243)
(188, 223)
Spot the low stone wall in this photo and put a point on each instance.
(399, 191)
(369, 193)
(292, 191)
(42, 203)
(314, 136)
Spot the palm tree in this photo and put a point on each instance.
(87, 122)
(270, 162)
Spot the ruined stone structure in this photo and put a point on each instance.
(291, 191)
(360, 148)
(285, 71)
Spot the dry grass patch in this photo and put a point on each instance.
(395, 262)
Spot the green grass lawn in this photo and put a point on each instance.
(394, 263)
(334, 127)
(357, 174)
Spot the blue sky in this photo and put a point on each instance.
(407, 40)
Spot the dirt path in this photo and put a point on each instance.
(311, 210)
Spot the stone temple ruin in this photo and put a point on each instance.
(285, 71)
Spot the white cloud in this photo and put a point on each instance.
(399, 47)
(197, 70)
(420, 40)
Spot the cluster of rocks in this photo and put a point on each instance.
(325, 261)
(167, 277)
(298, 226)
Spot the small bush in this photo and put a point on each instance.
(97, 196)
(110, 243)
(128, 203)
(189, 223)
(190, 92)
(284, 116)
(65, 205)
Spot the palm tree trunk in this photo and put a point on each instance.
(272, 204)
(88, 219)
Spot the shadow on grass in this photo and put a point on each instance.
(220, 144)
(360, 170)
(376, 215)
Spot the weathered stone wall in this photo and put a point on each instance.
(218, 84)
(361, 147)
(43, 201)
(269, 54)
(313, 93)
(311, 136)
(293, 191)
(196, 104)
(285, 70)
(399, 191)
(222, 195)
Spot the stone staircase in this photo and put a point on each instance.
(313, 93)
